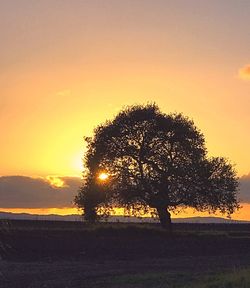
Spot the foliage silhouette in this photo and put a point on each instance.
(154, 161)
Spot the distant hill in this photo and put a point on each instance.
(51, 217)
(208, 220)
(75, 217)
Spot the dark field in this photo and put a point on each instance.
(73, 254)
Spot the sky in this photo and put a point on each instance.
(67, 66)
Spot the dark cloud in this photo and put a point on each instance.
(245, 189)
(27, 192)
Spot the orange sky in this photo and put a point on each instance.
(67, 66)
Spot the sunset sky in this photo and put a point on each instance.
(67, 66)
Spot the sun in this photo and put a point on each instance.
(103, 176)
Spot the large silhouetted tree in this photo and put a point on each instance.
(154, 160)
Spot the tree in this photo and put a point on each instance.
(154, 161)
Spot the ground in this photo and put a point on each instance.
(45, 254)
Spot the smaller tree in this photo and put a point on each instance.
(154, 161)
(94, 198)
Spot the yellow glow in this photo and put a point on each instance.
(53, 96)
(77, 163)
(55, 181)
(103, 176)
(44, 211)
(242, 214)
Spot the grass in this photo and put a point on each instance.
(235, 279)
(234, 230)
(124, 255)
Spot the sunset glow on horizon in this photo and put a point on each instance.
(103, 176)
(68, 66)
(242, 214)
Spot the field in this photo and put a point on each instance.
(73, 254)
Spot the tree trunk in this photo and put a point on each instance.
(90, 215)
(165, 218)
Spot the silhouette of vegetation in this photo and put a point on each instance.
(39, 253)
(154, 162)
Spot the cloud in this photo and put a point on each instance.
(27, 192)
(245, 189)
(244, 72)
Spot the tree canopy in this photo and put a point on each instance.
(154, 160)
